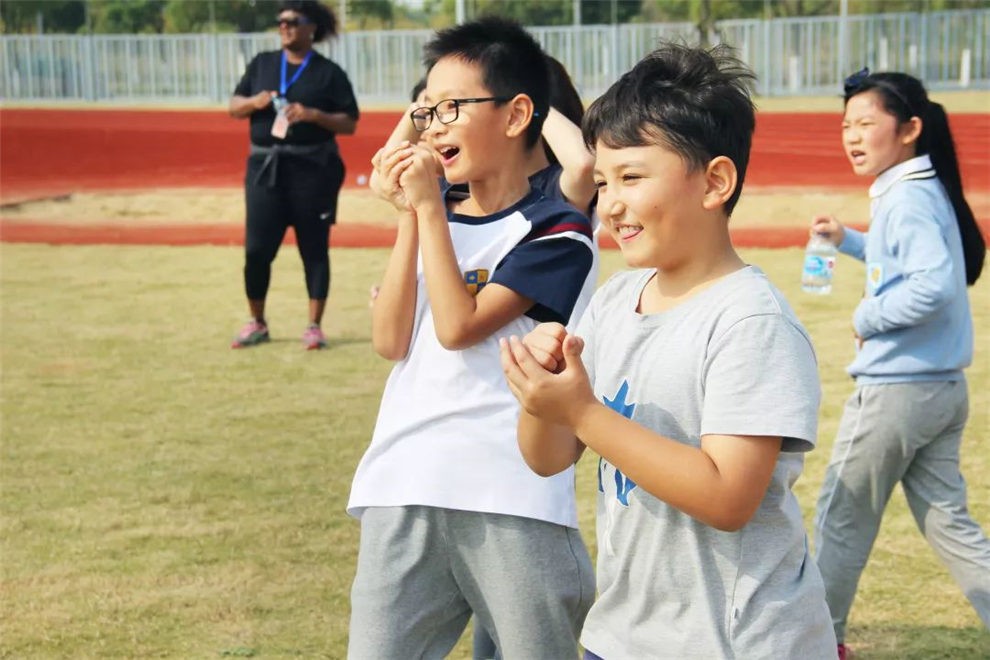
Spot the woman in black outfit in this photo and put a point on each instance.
(297, 101)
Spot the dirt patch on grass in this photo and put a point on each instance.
(782, 207)
(765, 217)
(175, 206)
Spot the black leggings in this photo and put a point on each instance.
(305, 197)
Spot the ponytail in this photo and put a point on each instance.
(936, 140)
(904, 97)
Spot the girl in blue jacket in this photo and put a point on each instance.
(904, 422)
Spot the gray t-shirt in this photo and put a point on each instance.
(732, 359)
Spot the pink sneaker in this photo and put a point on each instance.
(844, 652)
(313, 338)
(253, 333)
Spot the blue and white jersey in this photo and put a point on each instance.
(446, 429)
(547, 181)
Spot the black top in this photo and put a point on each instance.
(322, 85)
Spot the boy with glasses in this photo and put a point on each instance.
(452, 520)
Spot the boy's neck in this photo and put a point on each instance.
(497, 193)
(699, 271)
(537, 160)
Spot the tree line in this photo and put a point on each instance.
(186, 16)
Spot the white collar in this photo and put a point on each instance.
(919, 167)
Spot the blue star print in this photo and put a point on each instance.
(623, 484)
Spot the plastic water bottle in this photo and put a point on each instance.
(819, 262)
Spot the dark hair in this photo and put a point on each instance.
(418, 89)
(904, 97)
(693, 101)
(510, 59)
(564, 98)
(319, 14)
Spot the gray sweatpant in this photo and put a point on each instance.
(908, 433)
(422, 571)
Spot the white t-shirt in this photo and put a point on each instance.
(446, 429)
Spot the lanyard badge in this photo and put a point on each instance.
(280, 127)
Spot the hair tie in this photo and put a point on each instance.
(856, 79)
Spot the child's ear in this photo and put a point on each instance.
(910, 130)
(721, 178)
(520, 115)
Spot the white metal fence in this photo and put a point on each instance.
(791, 56)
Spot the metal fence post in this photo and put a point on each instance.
(383, 64)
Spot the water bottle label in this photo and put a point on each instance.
(818, 266)
(819, 263)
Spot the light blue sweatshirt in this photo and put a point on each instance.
(914, 317)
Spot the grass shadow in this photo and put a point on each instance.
(911, 642)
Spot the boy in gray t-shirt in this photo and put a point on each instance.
(693, 380)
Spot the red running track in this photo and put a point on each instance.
(47, 152)
(113, 149)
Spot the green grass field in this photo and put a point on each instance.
(165, 496)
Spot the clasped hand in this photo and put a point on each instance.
(407, 175)
(545, 373)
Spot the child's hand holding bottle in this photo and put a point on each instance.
(820, 253)
(829, 227)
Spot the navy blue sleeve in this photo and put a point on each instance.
(550, 265)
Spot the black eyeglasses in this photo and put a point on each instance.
(446, 111)
(291, 22)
